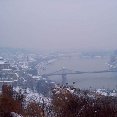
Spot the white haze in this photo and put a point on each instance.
(58, 24)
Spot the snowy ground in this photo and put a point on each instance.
(106, 92)
(15, 114)
(33, 96)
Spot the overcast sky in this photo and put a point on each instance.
(58, 24)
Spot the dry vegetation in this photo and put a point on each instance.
(64, 104)
(14, 102)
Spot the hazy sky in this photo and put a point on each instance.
(58, 24)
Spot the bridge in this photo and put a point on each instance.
(64, 72)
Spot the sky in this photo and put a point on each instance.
(58, 24)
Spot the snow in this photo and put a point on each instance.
(15, 114)
(33, 96)
(1, 58)
(57, 92)
(106, 92)
(70, 90)
(2, 62)
(101, 91)
(17, 75)
(6, 81)
(36, 77)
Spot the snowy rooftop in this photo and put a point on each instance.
(2, 62)
(6, 69)
(1, 58)
(9, 81)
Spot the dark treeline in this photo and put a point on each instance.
(64, 104)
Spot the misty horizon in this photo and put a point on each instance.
(64, 24)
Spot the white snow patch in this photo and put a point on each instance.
(15, 114)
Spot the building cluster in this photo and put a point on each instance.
(7, 73)
(23, 70)
(26, 69)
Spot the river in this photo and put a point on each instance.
(84, 81)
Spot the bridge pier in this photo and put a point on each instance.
(64, 79)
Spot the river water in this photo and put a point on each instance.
(98, 80)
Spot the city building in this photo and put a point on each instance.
(7, 74)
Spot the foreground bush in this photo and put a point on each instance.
(13, 102)
(67, 104)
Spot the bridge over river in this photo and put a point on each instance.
(64, 72)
